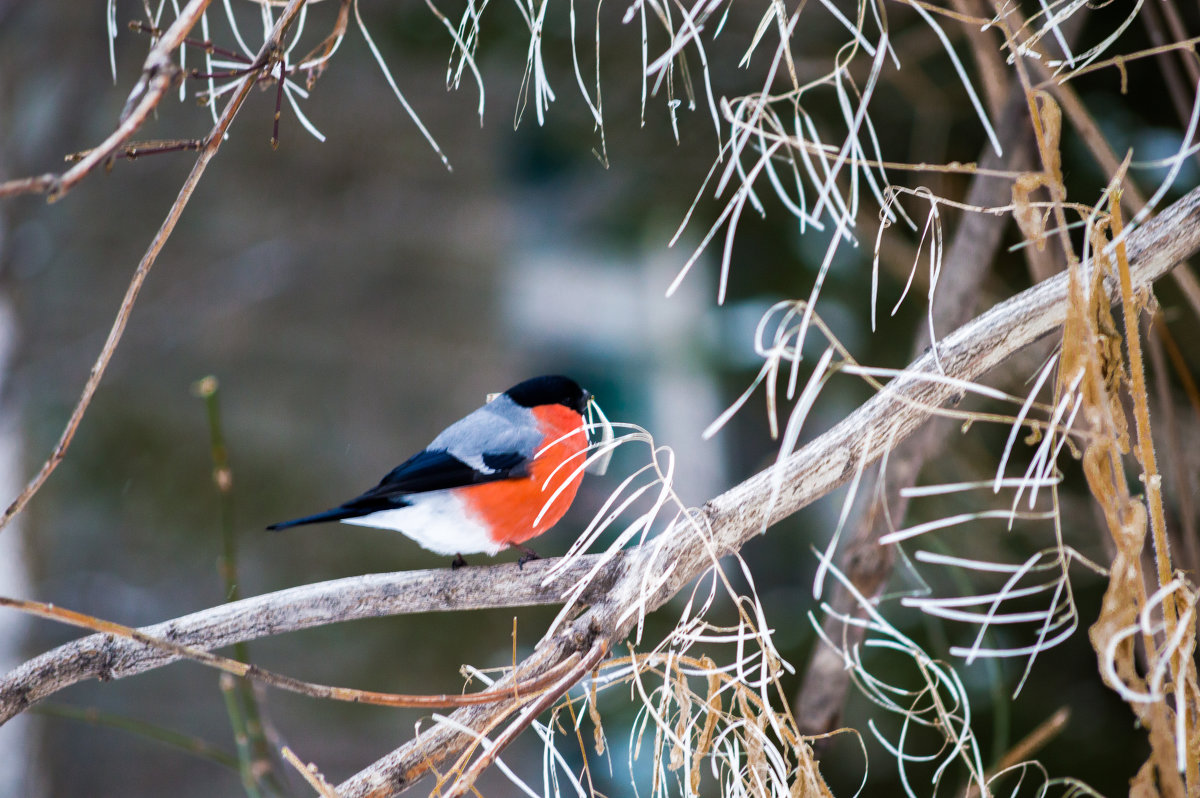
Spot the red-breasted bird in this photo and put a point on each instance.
(482, 483)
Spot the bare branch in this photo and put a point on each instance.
(103, 656)
(28, 185)
(159, 74)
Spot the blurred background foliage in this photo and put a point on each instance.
(354, 296)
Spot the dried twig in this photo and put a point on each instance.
(310, 774)
(37, 184)
(159, 74)
(517, 694)
(585, 665)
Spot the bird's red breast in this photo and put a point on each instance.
(508, 508)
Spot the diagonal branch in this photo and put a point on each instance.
(867, 565)
(159, 74)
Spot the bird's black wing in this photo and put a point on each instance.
(435, 469)
(429, 470)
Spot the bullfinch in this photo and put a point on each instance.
(496, 478)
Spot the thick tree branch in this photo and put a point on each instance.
(102, 656)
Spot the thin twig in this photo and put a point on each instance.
(159, 74)
(310, 774)
(1027, 746)
(241, 705)
(28, 185)
(1186, 538)
(1151, 479)
(581, 669)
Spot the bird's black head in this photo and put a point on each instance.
(551, 389)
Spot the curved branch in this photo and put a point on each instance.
(102, 656)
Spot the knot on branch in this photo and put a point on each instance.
(584, 633)
(102, 661)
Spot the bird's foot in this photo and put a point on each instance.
(529, 554)
(457, 562)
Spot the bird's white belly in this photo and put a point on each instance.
(437, 521)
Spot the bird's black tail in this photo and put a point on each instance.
(336, 514)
